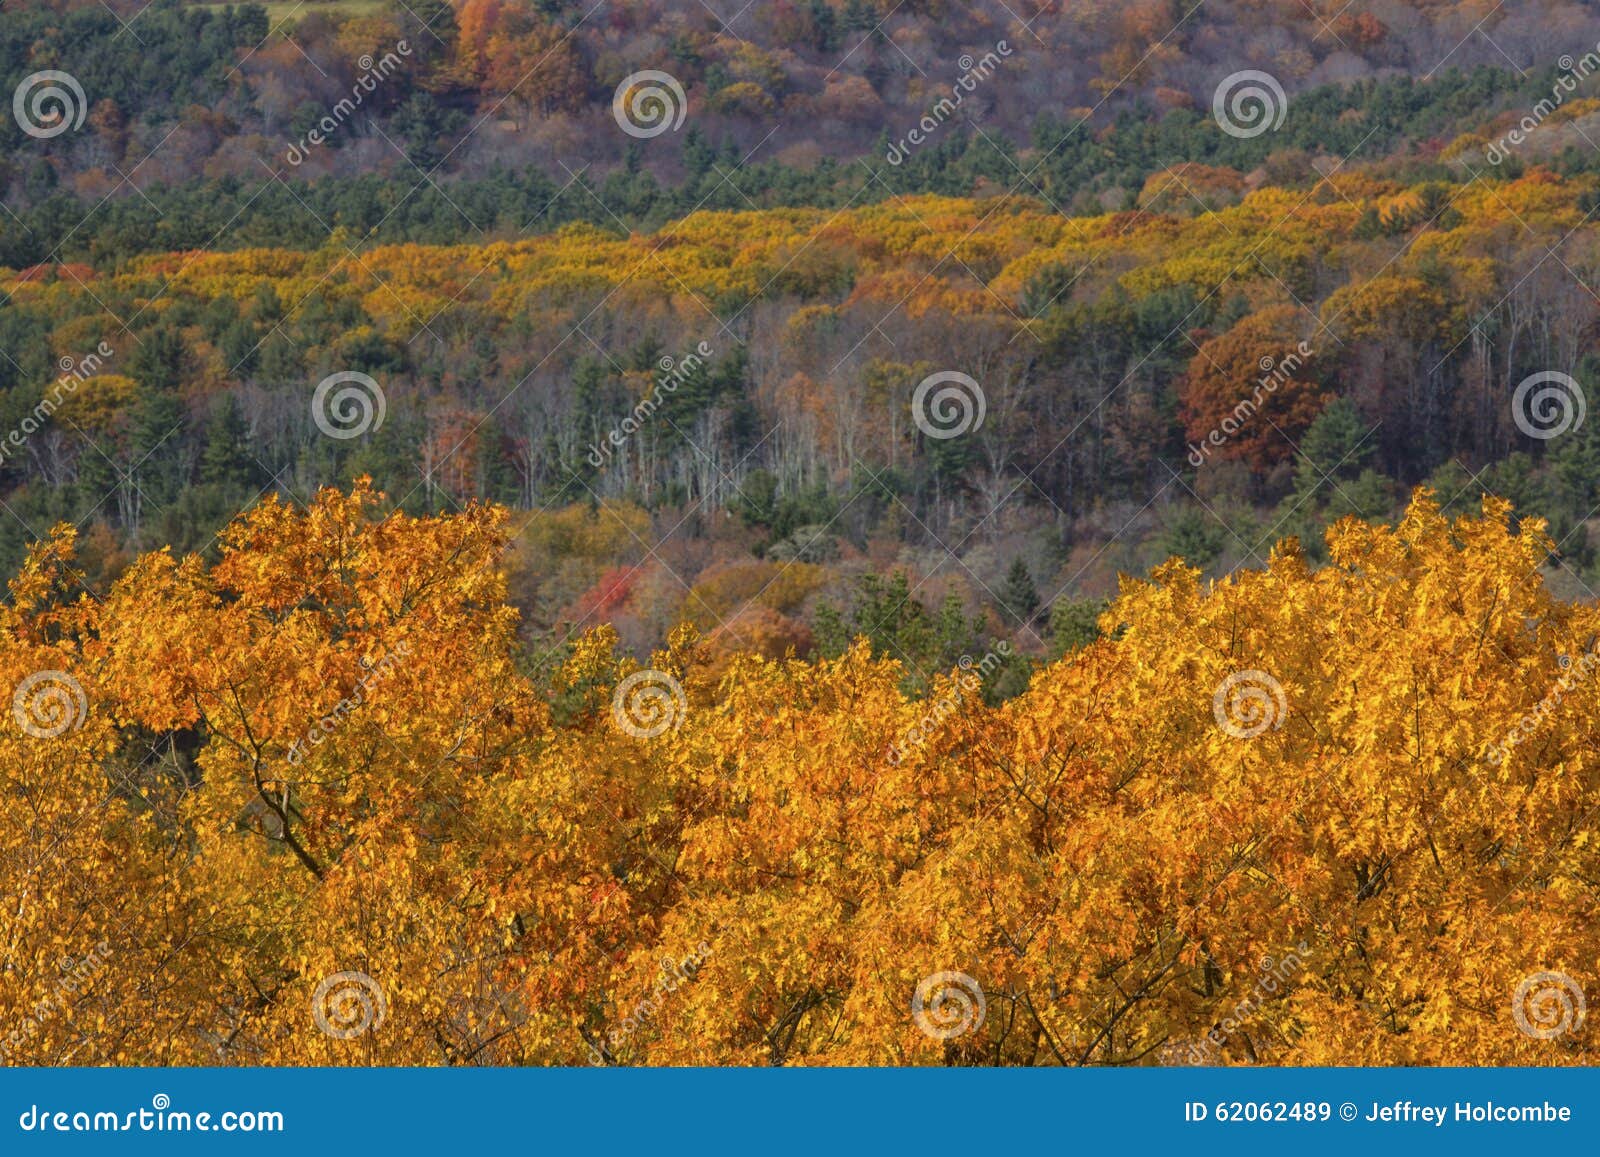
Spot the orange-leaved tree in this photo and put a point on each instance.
(312, 804)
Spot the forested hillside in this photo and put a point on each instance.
(545, 373)
(818, 532)
(207, 90)
(1301, 816)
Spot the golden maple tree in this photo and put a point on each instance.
(311, 804)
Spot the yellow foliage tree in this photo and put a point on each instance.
(304, 806)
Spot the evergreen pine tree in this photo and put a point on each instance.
(226, 460)
(1018, 595)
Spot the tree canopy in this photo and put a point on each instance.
(1334, 815)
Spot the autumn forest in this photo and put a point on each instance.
(842, 532)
